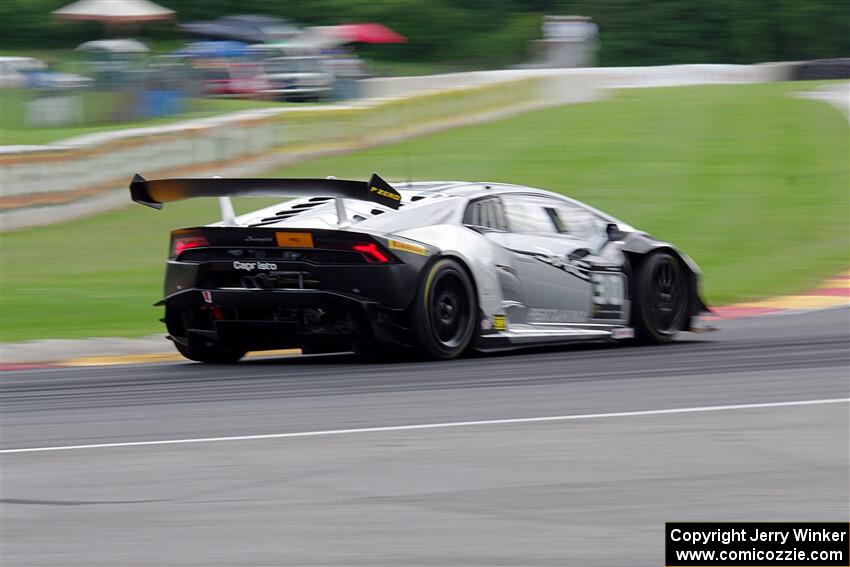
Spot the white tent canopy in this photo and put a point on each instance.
(114, 46)
(114, 11)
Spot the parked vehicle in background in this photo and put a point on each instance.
(114, 63)
(238, 80)
(298, 78)
(32, 73)
(14, 70)
(51, 80)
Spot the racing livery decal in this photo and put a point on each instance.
(608, 295)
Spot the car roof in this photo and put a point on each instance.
(479, 189)
(469, 189)
(414, 196)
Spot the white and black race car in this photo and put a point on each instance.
(435, 267)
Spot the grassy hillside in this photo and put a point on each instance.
(750, 181)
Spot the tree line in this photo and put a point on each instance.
(497, 32)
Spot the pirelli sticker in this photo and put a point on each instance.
(407, 247)
(384, 193)
(499, 323)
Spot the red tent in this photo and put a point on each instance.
(367, 33)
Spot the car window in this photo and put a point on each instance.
(529, 215)
(485, 213)
(547, 215)
(499, 212)
(573, 220)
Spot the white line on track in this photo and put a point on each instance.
(446, 425)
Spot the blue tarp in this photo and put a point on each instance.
(215, 49)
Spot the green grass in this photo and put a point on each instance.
(14, 130)
(749, 181)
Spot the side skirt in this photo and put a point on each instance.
(525, 336)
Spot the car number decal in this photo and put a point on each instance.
(608, 295)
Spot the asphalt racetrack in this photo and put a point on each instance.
(309, 460)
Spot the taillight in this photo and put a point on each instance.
(185, 243)
(372, 252)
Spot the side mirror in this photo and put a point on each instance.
(614, 233)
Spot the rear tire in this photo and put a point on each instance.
(210, 354)
(445, 312)
(660, 303)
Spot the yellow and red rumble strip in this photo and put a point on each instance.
(147, 358)
(834, 292)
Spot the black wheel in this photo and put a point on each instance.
(660, 304)
(209, 353)
(445, 311)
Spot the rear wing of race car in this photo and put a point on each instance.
(154, 193)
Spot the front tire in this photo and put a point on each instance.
(445, 311)
(660, 305)
(210, 354)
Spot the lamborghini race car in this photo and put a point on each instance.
(437, 268)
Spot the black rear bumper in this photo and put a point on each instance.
(245, 288)
(250, 319)
(265, 298)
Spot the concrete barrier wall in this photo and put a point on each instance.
(79, 176)
(606, 77)
(87, 166)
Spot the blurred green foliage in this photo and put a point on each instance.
(497, 32)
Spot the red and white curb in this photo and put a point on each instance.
(141, 358)
(834, 292)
